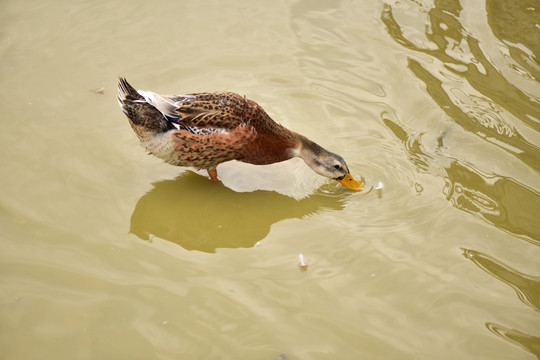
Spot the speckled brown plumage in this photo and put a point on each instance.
(203, 130)
(247, 132)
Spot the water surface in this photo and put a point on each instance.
(108, 253)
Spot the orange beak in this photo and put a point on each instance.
(349, 182)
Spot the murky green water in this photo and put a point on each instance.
(107, 253)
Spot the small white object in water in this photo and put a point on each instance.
(302, 261)
(101, 90)
(379, 188)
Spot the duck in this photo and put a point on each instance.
(203, 130)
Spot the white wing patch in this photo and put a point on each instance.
(166, 104)
(199, 131)
(206, 131)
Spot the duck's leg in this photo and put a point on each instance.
(213, 174)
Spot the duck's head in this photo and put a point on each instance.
(327, 164)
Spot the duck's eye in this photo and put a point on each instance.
(337, 167)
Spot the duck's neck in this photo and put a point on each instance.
(307, 149)
(269, 149)
(312, 153)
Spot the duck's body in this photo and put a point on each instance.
(206, 129)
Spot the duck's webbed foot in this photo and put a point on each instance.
(213, 175)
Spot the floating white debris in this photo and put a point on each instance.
(100, 90)
(379, 188)
(302, 261)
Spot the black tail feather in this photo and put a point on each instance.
(140, 112)
(126, 91)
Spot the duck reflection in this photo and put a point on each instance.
(201, 215)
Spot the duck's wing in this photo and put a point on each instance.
(166, 104)
(203, 113)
